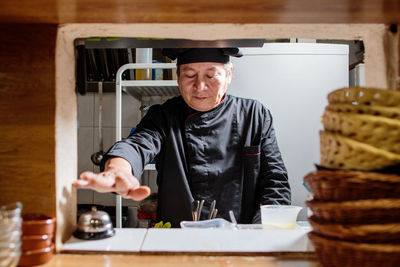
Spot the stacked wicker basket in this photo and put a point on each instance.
(356, 204)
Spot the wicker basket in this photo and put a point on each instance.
(376, 131)
(376, 233)
(352, 185)
(367, 211)
(388, 112)
(340, 152)
(365, 96)
(342, 253)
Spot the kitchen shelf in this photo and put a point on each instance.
(139, 89)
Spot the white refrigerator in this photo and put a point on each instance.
(293, 80)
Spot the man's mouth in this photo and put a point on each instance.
(200, 97)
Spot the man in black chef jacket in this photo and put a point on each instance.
(207, 145)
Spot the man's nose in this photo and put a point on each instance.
(200, 84)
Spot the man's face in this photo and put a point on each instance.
(203, 84)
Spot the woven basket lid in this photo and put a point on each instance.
(382, 111)
(365, 96)
(340, 152)
(379, 132)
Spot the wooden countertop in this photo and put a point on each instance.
(99, 260)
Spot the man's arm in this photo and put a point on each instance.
(117, 177)
(125, 160)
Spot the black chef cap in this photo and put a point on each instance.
(191, 55)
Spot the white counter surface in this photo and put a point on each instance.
(197, 240)
(219, 240)
(124, 240)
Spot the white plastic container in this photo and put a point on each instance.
(279, 216)
(144, 55)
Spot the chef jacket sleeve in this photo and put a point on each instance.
(273, 185)
(142, 146)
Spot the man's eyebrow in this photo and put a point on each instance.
(212, 68)
(187, 68)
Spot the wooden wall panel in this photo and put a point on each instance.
(28, 101)
(27, 116)
(200, 11)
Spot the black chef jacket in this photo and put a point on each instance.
(228, 154)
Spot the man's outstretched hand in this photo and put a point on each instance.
(117, 178)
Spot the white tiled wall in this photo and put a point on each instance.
(88, 139)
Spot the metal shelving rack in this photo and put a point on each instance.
(139, 89)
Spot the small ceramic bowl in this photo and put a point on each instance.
(36, 224)
(36, 257)
(33, 242)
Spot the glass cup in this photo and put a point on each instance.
(9, 225)
(10, 234)
(279, 216)
(10, 210)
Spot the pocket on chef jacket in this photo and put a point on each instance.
(252, 151)
(251, 162)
